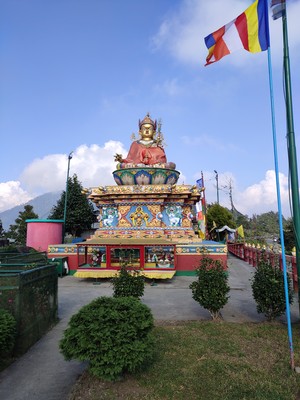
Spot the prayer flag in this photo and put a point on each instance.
(275, 2)
(240, 231)
(249, 31)
(278, 8)
(213, 227)
(199, 183)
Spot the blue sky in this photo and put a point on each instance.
(77, 75)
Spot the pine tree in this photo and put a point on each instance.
(2, 232)
(18, 231)
(80, 213)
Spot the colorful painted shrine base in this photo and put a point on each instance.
(187, 255)
(140, 226)
(148, 227)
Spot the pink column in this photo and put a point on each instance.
(42, 232)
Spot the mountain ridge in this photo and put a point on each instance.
(42, 206)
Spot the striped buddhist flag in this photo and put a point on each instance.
(249, 30)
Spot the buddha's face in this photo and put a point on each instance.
(147, 132)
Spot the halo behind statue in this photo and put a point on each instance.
(146, 176)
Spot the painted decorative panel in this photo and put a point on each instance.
(159, 257)
(173, 214)
(108, 217)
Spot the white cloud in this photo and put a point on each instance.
(92, 164)
(262, 196)
(45, 174)
(258, 198)
(11, 194)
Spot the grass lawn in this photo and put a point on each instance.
(209, 361)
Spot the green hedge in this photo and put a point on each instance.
(113, 334)
(7, 333)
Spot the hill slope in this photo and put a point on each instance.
(42, 206)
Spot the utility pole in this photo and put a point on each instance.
(66, 196)
(217, 180)
(230, 196)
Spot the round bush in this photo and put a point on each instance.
(112, 333)
(211, 289)
(268, 290)
(128, 283)
(7, 332)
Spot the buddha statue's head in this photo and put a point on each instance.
(147, 128)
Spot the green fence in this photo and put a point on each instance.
(31, 296)
(17, 257)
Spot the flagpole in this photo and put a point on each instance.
(291, 143)
(204, 199)
(203, 202)
(286, 291)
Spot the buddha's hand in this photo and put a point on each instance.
(118, 157)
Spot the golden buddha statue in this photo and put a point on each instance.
(148, 150)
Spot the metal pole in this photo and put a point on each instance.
(217, 180)
(286, 287)
(66, 196)
(292, 154)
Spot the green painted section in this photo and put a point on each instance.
(185, 273)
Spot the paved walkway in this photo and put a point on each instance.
(43, 374)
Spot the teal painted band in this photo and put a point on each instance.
(45, 220)
(185, 273)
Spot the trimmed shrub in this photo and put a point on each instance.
(7, 332)
(268, 290)
(113, 333)
(211, 288)
(128, 283)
